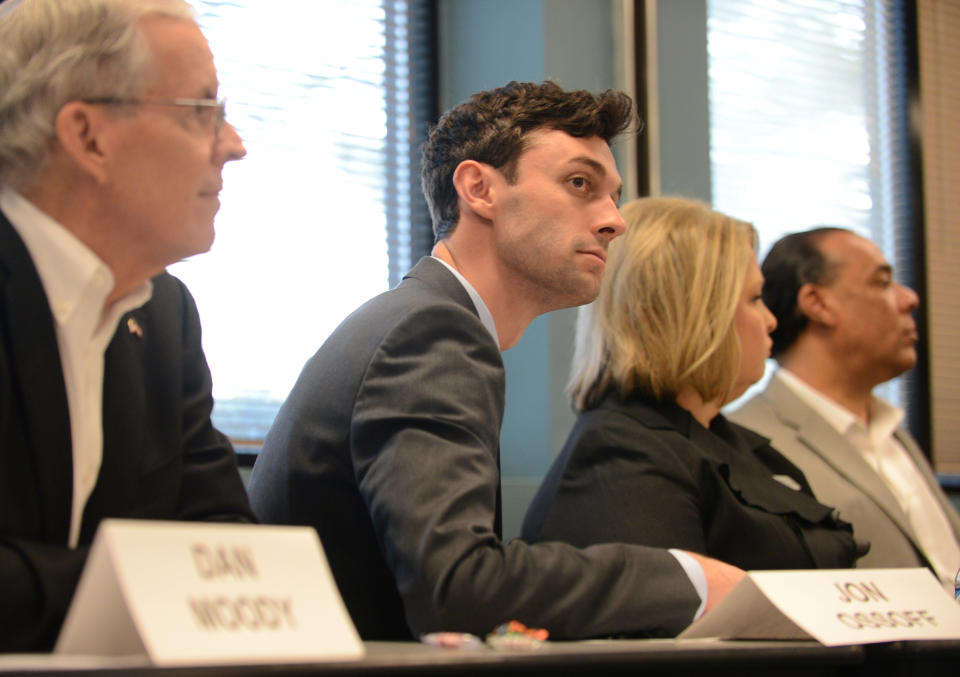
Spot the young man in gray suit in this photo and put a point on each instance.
(845, 326)
(112, 144)
(389, 442)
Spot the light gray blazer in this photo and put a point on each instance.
(840, 477)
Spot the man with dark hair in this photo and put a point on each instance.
(845, 326)
(389, 442)
(112, 144)
(493, 126)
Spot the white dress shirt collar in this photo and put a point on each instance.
(884, 417)
(67, 268)
(486, 317)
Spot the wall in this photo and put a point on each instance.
(939, 23)
(675, 68)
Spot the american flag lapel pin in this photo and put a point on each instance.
(134, 327)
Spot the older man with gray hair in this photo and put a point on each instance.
(112, 143)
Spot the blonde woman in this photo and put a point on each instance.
(680, 329)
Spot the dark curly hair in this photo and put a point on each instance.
(491, 127)
(795, 260)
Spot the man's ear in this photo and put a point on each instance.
(473, 182)
(813, 301)
(79, 128)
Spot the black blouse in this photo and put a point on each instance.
(646, 472)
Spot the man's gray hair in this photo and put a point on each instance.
(56, 51)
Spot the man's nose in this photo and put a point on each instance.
(909, 300)
(611, 222)
(229, 145)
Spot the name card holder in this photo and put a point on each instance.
(834, 607)
(188, 593)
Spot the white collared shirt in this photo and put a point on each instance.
(486, 317)
(880, 448)
(77, 284)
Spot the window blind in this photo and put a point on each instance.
(332, 99)
(809, 121)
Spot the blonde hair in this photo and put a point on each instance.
(664, 318)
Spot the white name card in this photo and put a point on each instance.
(187, 593)
(834, 606)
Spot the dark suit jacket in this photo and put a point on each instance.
(840, 476)
(389, 445)
(162, 458)
(644, 472)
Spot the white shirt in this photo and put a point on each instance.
(690, 566)
(486, 317)
(77, 284)
(878, 446)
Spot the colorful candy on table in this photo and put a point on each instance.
(512, 635)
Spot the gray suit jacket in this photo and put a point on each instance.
(840, 477)
(389, 445)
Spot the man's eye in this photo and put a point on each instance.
(580, 183)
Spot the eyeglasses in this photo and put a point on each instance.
(210, 112)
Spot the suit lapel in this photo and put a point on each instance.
(434, 273)
(37, 379)
(124, 425)
(815, 433)
(920, 461)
